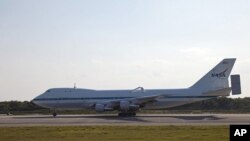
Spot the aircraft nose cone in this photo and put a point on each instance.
(36, 100)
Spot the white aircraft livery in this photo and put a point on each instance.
(214, 84)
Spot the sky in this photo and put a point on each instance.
(111, 44)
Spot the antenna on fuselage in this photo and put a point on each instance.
(74, 85)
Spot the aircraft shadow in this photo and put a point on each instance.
(106, 117)
(191, 117)
(139, 118)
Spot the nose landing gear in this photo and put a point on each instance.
(54, 114)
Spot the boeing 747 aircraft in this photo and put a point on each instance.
(214, 84)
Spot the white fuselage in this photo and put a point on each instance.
(71, 98)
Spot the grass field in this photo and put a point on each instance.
(115, 133)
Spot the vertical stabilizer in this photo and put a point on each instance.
(217, 78)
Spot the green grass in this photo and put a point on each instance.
(115, 133)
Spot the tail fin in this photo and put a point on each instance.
(217, 78)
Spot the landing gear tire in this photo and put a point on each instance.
(131, 114)
(54, 114)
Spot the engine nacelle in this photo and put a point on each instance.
(124, 105)
(134, 107)
(99, 108)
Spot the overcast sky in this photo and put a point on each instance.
(111, 44)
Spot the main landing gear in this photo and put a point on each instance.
(54, 114)
(129, 114)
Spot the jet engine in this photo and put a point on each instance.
(126, 106)
(99, 108)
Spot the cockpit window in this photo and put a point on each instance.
(47, 91)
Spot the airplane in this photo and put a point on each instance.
(214, 84)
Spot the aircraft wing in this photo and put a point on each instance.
(144, 99)
(137, 101)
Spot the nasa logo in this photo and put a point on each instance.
(220, 74)
(224, 63)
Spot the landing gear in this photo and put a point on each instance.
(54, 113)
(129, 114)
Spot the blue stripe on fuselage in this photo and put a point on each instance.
(113, 98)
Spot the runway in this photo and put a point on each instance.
(113, 120)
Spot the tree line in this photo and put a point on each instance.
(222, 104)
(7, 107)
